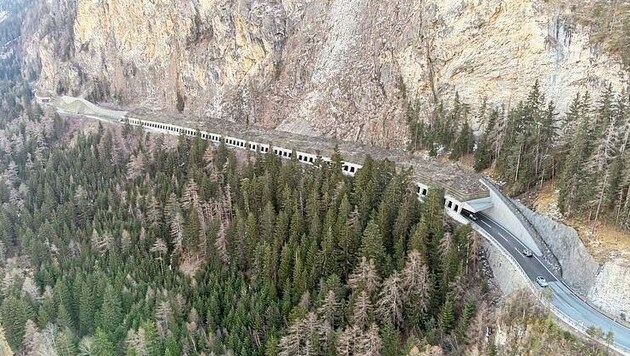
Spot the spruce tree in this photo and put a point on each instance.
(111, 311)
(575, 187)
(14, 314)
(65, 343)
(463, 144)
(391, 340)
(372, 246)
(102, 345)
(86, 310)
(446, 318)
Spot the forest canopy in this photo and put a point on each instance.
(129, 243)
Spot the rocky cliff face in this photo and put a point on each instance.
(611, 290)
(343, 68)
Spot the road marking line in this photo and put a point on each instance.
(503, 236)
(496, 232)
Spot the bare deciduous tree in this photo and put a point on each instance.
(137, 341)
(329, 307)
(135, 167)
(191, 195)
(163, 314)
(390, 300)
(347, 341)
(221, 243)
(370, 342)
(361, 310)
(364, 277)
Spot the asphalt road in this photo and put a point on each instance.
(562, 298)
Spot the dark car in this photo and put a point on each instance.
(527, 252)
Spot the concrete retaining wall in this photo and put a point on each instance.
(500, 211)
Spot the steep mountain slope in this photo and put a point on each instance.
(345, 69)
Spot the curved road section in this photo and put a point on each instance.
(580, 314)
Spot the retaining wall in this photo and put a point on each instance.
(502, 212)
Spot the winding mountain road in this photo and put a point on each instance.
(575, 311)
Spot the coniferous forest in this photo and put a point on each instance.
(150, 245)
(585, 151)
(118, 242)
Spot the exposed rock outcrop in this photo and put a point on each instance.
(347, 69)
(611, 290)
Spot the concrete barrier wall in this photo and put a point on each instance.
(500, 211)
(526, 224)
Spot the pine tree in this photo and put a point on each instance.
(446, 318)
(102, 345)
(372, 246)
(14, 314)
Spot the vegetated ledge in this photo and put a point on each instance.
(458, 181)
